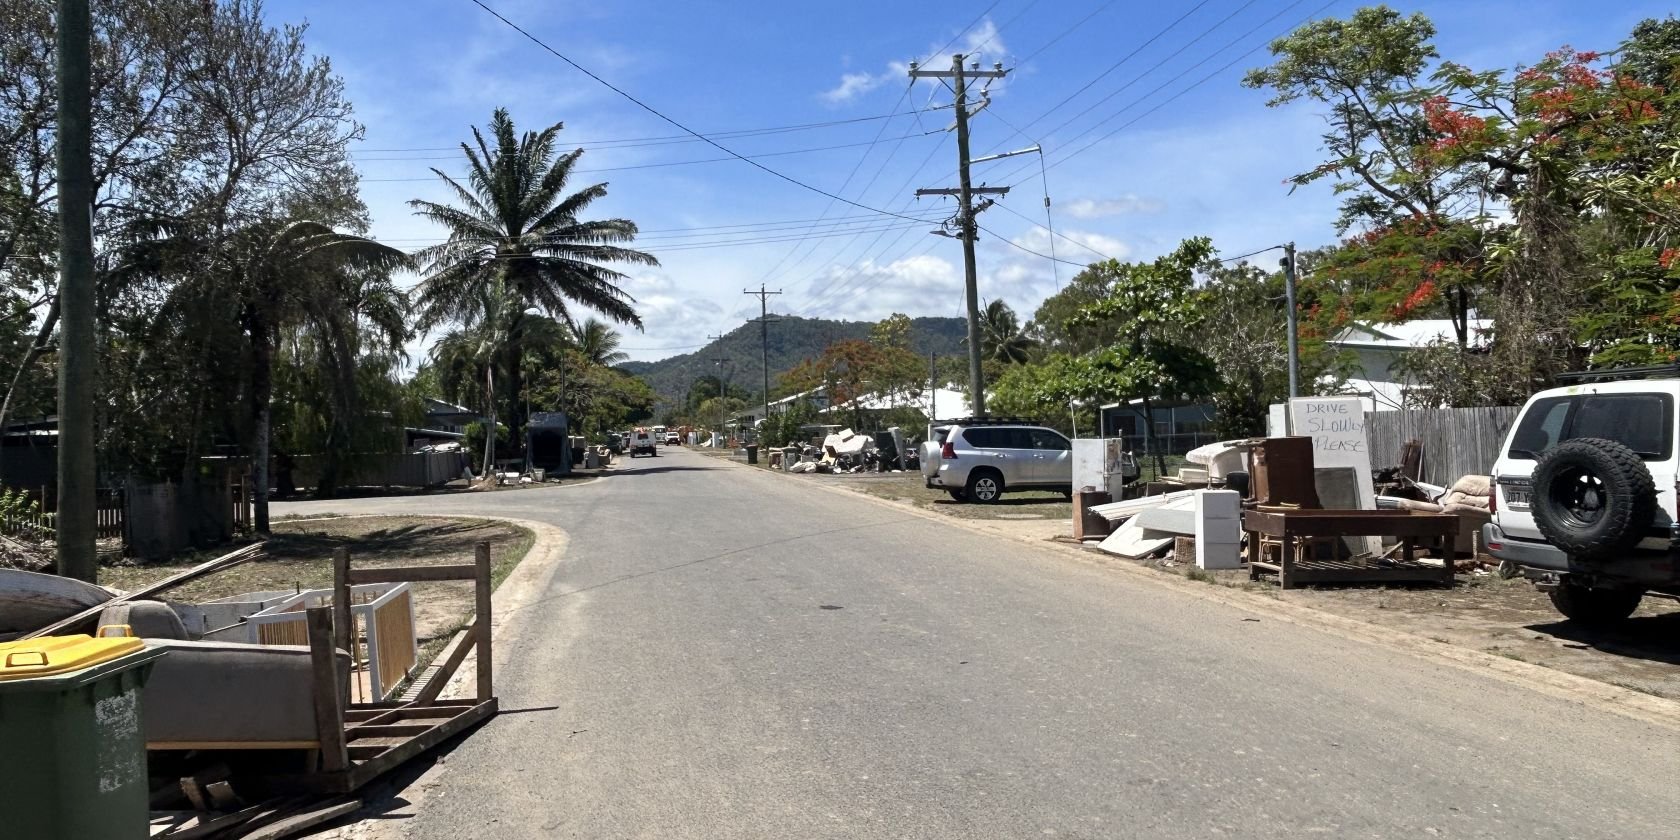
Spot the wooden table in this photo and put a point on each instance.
(1295, 530)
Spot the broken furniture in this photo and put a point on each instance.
(361, 741)
(383, 617)
(1292, 545)
(1468, 499)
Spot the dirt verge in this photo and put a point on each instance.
(299, 556)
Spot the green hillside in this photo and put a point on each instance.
(792, 340)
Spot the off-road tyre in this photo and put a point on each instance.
(1596, 608)
(985, 486)
(1593, 498)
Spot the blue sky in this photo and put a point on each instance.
(1131, 170)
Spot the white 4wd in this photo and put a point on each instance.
(980, 460)
(1584, 495)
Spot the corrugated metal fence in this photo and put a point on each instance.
(1456, 441)
(417, 469)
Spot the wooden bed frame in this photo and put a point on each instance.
(358, 742)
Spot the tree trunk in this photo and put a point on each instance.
(262, 395)
(490, 420)
(1149, 445)
(516, 384)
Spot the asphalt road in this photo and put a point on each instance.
(727, 653)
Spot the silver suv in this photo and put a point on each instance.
(979, 460)
(1584, 493)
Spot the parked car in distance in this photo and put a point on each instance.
(673, 439)
(1584, 493)
(642, 442)
(981, 459)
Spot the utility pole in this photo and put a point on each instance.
(764, 338)
(77, 359)
(1288, 263)
(723, 381)
(966, 211)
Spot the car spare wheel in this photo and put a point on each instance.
(1593, 498)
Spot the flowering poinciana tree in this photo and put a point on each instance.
(1545, 198)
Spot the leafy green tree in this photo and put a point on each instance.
(513, 223)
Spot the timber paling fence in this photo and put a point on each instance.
(36, 522)
(1456, 441)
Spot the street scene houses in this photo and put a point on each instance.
(1091, 419)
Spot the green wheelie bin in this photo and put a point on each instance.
(75, 750)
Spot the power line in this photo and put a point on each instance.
(996, 31)
(729, 243)
(1112, 67)
(662, 164)
(843, 185)
(668, 139)
(654, 111)
(1016, 245)
(961, 32)
(1176, 53)
(1029, 220)
(1068, 31)
(1251, 254)
(720, 230)
(1198, 83)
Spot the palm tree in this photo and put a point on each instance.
(1001, 336)
(478, 343)
(512, 223)
(598, 343)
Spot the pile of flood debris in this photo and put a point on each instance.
(262, 715)
(846, 451)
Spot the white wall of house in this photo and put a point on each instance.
(1378, 350)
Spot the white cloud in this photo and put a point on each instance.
(1038, 239)
(981, 45)
(870, 291)
(853, 85)
(1097, 208)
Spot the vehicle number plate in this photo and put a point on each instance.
(1515, 498)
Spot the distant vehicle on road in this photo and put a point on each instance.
(672, 439)
(643, 442)
(979, 460)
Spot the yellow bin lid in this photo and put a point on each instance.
(53, 655)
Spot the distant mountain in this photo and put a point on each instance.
(792, 340)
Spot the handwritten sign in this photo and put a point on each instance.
(1337, 428)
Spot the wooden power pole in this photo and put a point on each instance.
(763, 296)
(966, 211)
(77, 350)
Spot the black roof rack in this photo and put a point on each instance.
(986, 421)
(1614, 374)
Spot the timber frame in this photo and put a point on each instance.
(361, 741)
